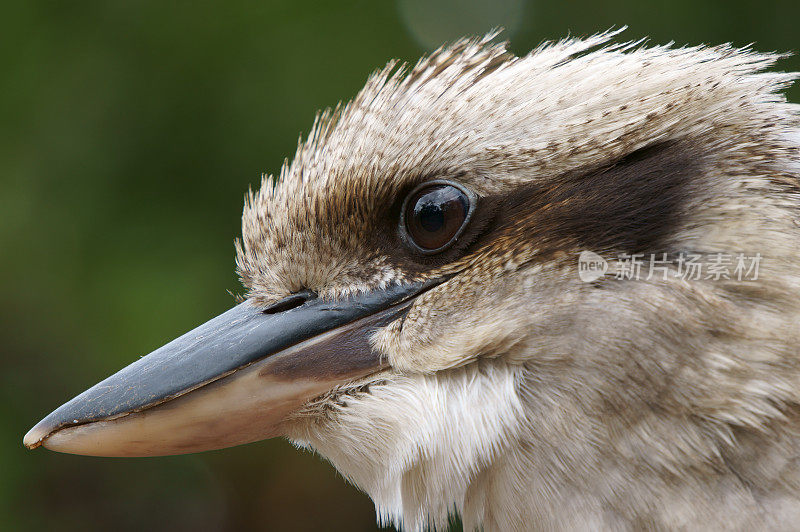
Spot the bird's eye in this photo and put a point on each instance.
(435, 215)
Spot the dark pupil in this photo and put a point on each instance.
(435, 215)
(431, 216)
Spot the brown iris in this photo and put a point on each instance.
(434, 216)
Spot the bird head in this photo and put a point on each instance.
(414, 309)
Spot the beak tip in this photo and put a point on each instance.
(36, 436)
(32, 439)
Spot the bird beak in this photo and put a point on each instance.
(233, 380)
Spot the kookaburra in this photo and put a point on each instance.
(415, 311)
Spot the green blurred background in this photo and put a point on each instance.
(129, 131)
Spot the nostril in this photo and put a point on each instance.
(291, 301)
